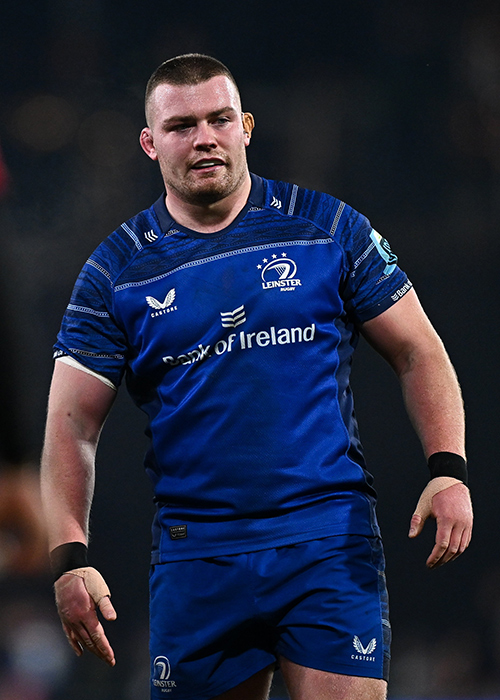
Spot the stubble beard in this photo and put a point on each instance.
(209, 189)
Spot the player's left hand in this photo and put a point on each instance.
(78, 599)
(449, 503)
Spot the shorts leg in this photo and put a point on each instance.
(204, 637)
(336, 618)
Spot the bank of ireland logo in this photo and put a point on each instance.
(279, 272)
(162, 307)
(161, 674)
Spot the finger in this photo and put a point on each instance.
(464, 542)
(97, 643)
(458, 544)
(456, 538)
(107, 609)
(416, 525)
(74, 643)
(453, 550)
(447, 550)
(442, 542)
(102, 646)
(423, 510)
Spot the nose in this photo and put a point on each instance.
(204, 137)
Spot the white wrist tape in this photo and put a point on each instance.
(439, 483)
(96, 586)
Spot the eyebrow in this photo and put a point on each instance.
(193, 117)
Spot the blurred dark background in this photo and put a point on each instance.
(392, 106)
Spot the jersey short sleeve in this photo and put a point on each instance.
(89, 332)
(373, 281)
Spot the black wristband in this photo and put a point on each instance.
(72, 555)
(448, 464)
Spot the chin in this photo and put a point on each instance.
(209, 192)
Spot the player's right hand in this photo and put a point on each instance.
(447, 500)
(78, 614)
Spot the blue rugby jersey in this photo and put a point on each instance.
(238, 346)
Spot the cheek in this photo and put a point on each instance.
(168, 158)
(240, 152)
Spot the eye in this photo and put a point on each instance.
(179, 127)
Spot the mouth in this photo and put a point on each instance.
(208, 164)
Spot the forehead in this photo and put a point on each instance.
(198, 100)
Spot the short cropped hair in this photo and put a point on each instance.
(187, 69)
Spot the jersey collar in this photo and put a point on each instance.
(167, 223)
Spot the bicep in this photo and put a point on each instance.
(80, 399)
(401, 332)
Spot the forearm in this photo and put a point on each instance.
(67, 478)
(433, 400)
(78, 406)
(404, 336)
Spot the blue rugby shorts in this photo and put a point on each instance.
(215, 622)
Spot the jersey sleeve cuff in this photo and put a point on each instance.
(384, 304)
(67, 360)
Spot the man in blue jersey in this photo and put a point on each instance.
(232, 307)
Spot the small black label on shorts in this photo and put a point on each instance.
(178, 532)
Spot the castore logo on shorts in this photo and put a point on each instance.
(363, 653)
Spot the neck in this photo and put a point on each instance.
(209, 218)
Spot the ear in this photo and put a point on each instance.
(147, 143)
(248, 125)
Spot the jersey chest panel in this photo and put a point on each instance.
(261, 298)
